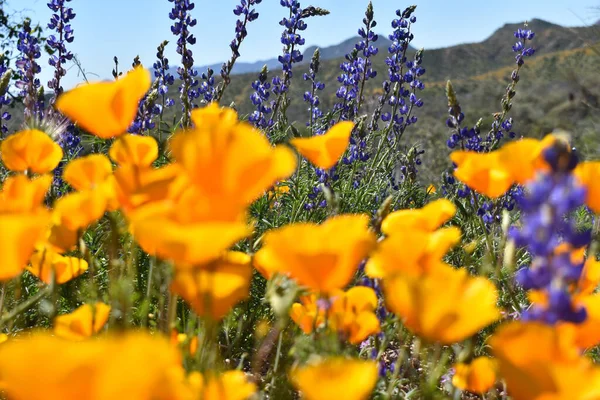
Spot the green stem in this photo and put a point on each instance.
(26, 305)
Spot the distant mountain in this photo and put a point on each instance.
(327, 53)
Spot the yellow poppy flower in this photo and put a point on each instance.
(30, 150)
(477, 377)
(325, 150)
(307, 314)
(428, 218)
(187, 245)
(61, 239)
(447, 306)
(336, 378)
(136, 186)
(19, 234)
(103, 369)
(231, 160)
(46, 262)
(136, 150)
(106, 109)
(411, 252)
(231, 385)
(482, 172)
(21, 195)
(494, 173)
(322, 257)
(88, 172)
(78, 210)
(214, 289)
(588, 174)
(353, 314)
(83, 322)
(538, 361)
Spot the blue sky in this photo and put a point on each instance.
(126, 28)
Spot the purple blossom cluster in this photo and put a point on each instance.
(260, 98)
(163, 76)
(180, 28)
(60, 24)
(291, 40)
(404, 79)
(29, 85)
(5, 98)
(249, 13)
(311, 96)
(547, 223)
(357, 69)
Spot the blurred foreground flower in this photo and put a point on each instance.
(445, 306)
(30, 151)
(137, 366)
(336, 378)
(106, 109)
(324, 151)
(322, 257)
(478, 376)
(213, 289)
(83, 322)
(538, 361)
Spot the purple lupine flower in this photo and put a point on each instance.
(311, 96)
(207, 89)
(60, 24)
(469, 138)
(260, 98)
(404, 79)
(28, 67)
(547, 223)
(357, 70)
(291, 40)
(245, 8)
(164, 78)
(5, 99)
(180, 28)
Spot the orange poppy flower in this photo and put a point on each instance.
(30, 150)
(322, 257)
(88, 172)
(61, 239)
(411, 252)
(45, 264)
(325, 150)
(78, 210)
(353, 314)
(336, 378)
(482, 172)
(106, 109)
(22, 195)
(494, 173)
(19, 234)
(231, 385)
(477, 377)
(214, 289)
(588, 174)
(136, 186)
(307, 314)
(447, 306)
(187, 245)
(103, 369)
(83, 322)
(226, 159)
(136, 150)
(540, 361)
(428, 218)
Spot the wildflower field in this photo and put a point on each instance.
(171, 248)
